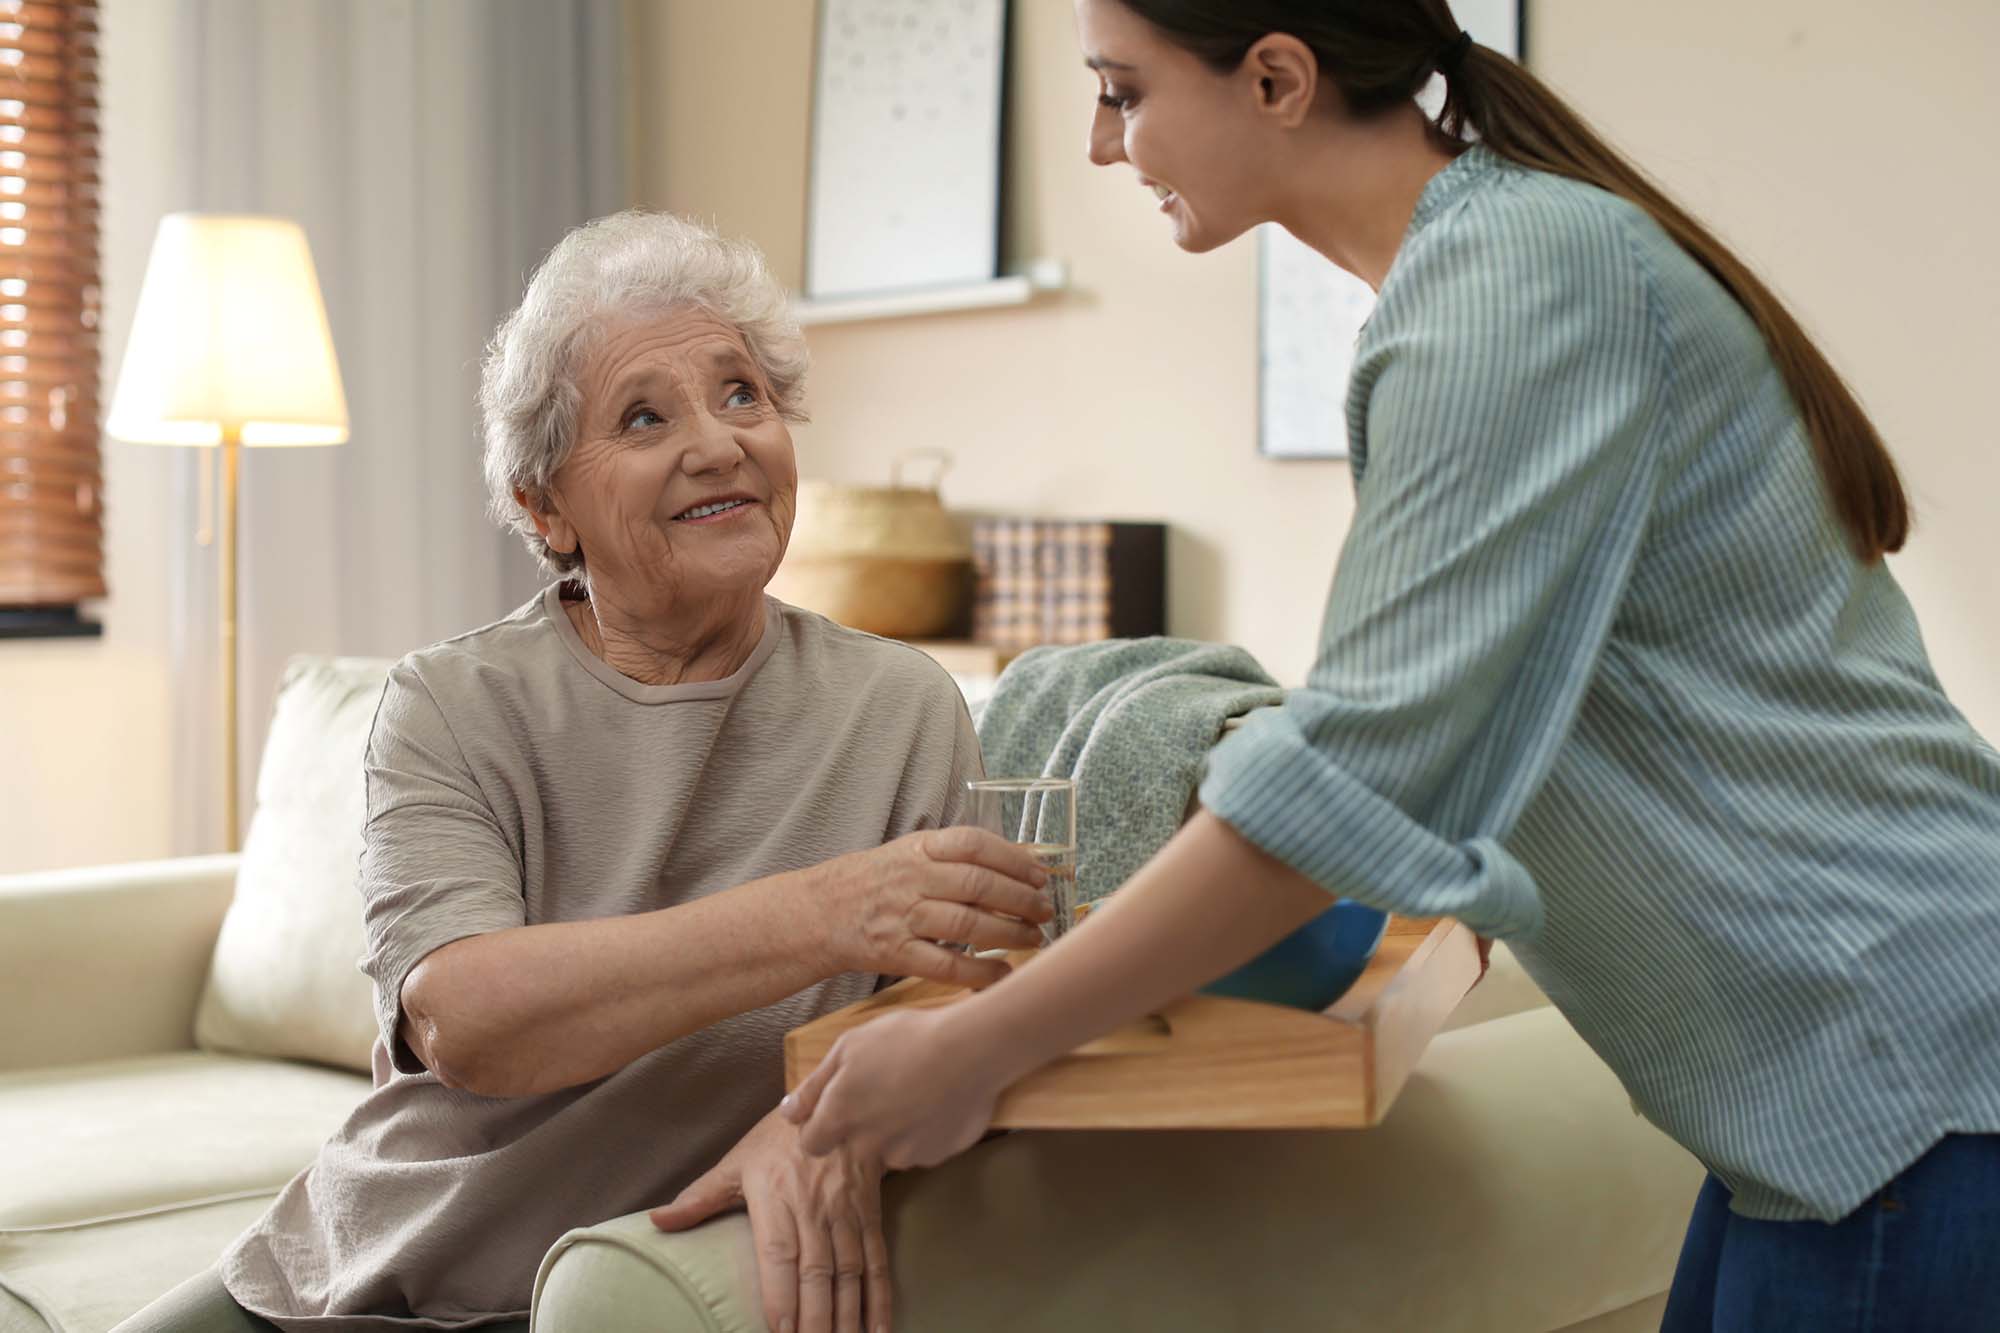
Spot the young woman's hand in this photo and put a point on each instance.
(822, 1259)
(899, 909)
(897, 1090)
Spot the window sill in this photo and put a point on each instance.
(1039, 278)
(46, 622)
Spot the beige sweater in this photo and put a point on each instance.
(515, 778)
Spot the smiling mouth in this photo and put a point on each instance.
(714, 509)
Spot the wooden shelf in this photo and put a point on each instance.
(1043, 275)
(966, 658)
(1210, 1063)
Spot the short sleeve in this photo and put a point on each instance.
(942, 747)
(435, 864)
(1504, 394)
(967, 763)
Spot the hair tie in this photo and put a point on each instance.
(1452, 58)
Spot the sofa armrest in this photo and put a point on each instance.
(1511, 1187)
(107, 961)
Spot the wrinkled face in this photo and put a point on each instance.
(1188, 131)
(682, 483)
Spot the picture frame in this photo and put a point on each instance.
(1310, 312)
(908, 128)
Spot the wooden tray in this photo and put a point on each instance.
(1210, 1063)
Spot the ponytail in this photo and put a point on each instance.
(1381, 53)
(1517, 116)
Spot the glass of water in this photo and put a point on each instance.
(1039, 814)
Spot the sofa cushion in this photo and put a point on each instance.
(85, 1279)
(1505, 989)
(64, 934)
(83, 1142)
(1639, 1317)
(285, 979)
(1511, 1187)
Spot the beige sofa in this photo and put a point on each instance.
(177, 1037)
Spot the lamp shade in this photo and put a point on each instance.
(230, 335)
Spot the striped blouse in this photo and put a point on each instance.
(1601, 675)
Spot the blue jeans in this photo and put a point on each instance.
(1922, 1256)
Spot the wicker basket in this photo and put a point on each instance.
(885, 559)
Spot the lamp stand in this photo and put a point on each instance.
(231, 453)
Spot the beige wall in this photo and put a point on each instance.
(1840, 143)
(1131, 396)
(1845, 147)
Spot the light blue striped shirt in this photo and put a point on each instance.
(1600, 674)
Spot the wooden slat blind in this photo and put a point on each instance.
(51, 501)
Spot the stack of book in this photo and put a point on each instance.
(1067, 581)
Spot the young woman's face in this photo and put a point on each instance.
(1188, 131)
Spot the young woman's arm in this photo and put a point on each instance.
(916, 1092)
(1511, 382)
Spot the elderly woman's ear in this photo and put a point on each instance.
(553, 527)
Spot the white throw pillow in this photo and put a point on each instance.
(284, 981)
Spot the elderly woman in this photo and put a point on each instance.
(622, 840)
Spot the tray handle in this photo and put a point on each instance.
(940, 458)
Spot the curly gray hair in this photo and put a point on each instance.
(627, 264)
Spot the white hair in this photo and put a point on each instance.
(626, 265)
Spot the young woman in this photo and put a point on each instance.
(1612, 669)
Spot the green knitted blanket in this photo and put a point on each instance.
(1132, 721)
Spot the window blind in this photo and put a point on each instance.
(51, 493)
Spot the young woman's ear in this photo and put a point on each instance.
(548, 521)
(1287, 76)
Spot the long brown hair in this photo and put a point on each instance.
(1381, 53)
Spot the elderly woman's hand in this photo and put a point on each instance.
(898, 908)
(822, 1260)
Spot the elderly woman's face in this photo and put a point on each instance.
(682, 481)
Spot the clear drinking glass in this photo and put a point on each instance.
(1039, 814)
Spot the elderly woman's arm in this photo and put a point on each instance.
(535, 1008)
(466, 988)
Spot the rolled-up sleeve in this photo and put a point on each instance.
(435, 864)
(1502, 400)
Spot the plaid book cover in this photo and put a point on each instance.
(1066, 581)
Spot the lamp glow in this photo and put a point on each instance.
(229, 347)
(230, 337)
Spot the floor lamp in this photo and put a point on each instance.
(229, 349)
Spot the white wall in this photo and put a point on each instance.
(1842, 145)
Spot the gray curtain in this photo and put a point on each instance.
(433, 152)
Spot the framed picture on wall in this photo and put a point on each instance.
(1310, 312)
(906, 133)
